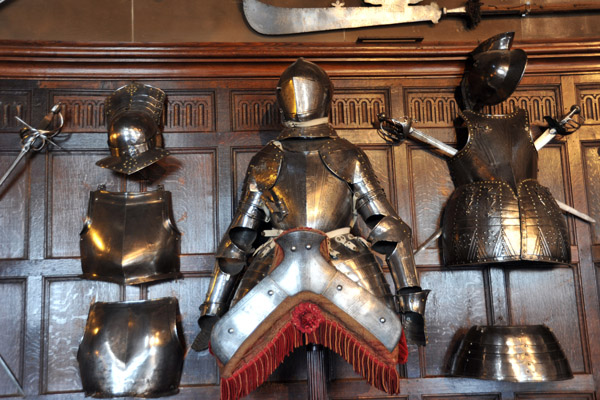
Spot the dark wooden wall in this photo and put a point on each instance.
(221, 109)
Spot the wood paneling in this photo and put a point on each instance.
(66, 304)
(71, 178)
(221, 109)
(14, 207)
(12, 333)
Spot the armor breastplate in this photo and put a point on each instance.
(131, 349)
(306, 192)
(129, 237)
(499, 212)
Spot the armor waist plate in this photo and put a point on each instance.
(129, 237)
(131, 349)
(499, 212)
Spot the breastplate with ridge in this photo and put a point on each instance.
(499, 212)
(307, 193)
(129, 237)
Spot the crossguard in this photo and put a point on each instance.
(568, 124)
(393, 130)
(37, 138)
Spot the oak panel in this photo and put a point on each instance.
(493, 396)
(554, 396)
(547, 296)
(190, 176)
(456, 302)
(200, 368)
(12, 332)
(589, 101)
(71, 178)
(66, 307)
(14, 207)
(591, 165)
(14, 103)
(431, 187)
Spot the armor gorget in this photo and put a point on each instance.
(499, 212)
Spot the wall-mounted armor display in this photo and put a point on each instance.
(511, 353)
(130, 237)
(307, 187)
(134, 122)
(498, 211)
(132, 349)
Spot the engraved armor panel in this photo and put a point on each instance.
(129, 237)
(131, 349)
(499, 212)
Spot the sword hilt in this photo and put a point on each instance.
(567, 125)
(393, 130)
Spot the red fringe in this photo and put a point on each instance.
(330, 334)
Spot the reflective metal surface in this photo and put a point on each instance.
(492, 72)
(499, 212)
(129, 237)
(131, 349)
(134, 118)
(511, 353)
(303, 269)
(304, 91)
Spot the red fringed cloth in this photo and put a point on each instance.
(309, 318)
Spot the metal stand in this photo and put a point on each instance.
(316, 371)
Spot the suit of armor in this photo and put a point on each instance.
(308, 187)
(499, 212)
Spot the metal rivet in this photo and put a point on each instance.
(308, 247)
(270, 292)
(293, 248)
(382, 320)
(230, 330)
(339, 287)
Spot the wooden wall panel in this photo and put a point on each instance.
(552, 303)
(14, 207)
(12, 332)
(255, 110)
(190, 176)
(71, 177)
(357, 109)
(190, 112)
(497, 396)
(457, 301)
(591, 165)
(83, 110)
(554, 396)
(199, 368)
(431, 187)
(14, 103)
(66, 306)
(589, 101)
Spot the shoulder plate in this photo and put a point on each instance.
(347, 161)
(264, 167)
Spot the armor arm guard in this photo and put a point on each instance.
(390, 236)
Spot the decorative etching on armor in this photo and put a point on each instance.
(589, 101)
(13, 104)
(438, 108)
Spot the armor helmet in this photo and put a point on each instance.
(134, 116)
(493, 72)
(304, 92)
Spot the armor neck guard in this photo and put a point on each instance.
(317, 131)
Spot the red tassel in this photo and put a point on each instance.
(330, 334)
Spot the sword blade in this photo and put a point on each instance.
(273, 20)
(13, 165)
(575, 212)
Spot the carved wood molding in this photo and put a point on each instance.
(34, 59)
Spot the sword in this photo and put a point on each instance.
(275, 20)
(558, 128)
(393, 130)
(36, 139)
